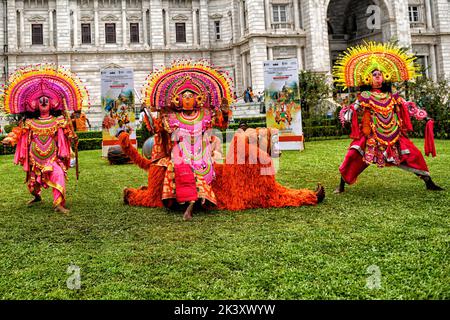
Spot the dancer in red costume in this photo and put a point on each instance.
(381, 137)
(41, 94)
(190, 99)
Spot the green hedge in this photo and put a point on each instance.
(249, 120)
(321, 122)
(6, 149)
(8, 128)
(89, 144)
(324, 131)
(89, 135)
(441, 129)
(234, 126)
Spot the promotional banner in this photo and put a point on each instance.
(117, 95)
(282, 101)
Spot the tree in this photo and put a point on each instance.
(314, 89)
(434, 97)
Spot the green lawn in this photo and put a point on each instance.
(387, 219)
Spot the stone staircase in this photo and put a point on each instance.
(95, 116)
(247, 110)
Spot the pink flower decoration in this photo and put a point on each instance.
(421, 114)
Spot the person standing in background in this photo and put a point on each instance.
(79, 121)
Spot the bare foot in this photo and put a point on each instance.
(33, 201)
(126, 194)
(320, 193)
(59, 208)
(341, 187)
(338, 190)
(188, 213)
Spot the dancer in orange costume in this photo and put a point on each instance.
(199, 98)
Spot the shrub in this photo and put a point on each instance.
(89, 135)
(8, 128)
(89, 144)
(314, 89)
(5, 149)
(435, 99)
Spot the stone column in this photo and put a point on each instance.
(51, 32)
(428, 14)
(96, 31)
(441, 12)
(75, 28)
(194, 27)
(268, 15)
(258, 54)
(167, 26)
(22, 28)
(63, 25)
(255, 10)
(124, 24)
(296, 16)
(241, 17)
(156, 24)
(270, 53)
(442, 25)
(300, 58)
(232, 16)
(12, 26)
(244, 71)
(144, 24)
(317, 47)
(433, 62)
(204, 24)
(165, 22)
(401, 28)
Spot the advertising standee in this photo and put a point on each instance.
(118, 99)
(282, 101)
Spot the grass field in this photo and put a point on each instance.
(387, 223)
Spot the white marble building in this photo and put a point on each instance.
(237, 35)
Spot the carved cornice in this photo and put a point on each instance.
(111, 66)
(180, 17)
(110, 17)
(36, 18)
(86, 18)
(216, 16)
(133, 17)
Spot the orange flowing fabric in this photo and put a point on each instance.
(237, 186)
(244, 185)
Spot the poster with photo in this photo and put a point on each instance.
(282, 102)
(117, 99)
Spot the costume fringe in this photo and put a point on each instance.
(242, 185)
(131, 151)
(148, 196)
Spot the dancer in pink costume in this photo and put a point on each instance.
(43, 137)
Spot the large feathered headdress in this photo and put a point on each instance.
(27, 84)
(212, 88)
(355, 66)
